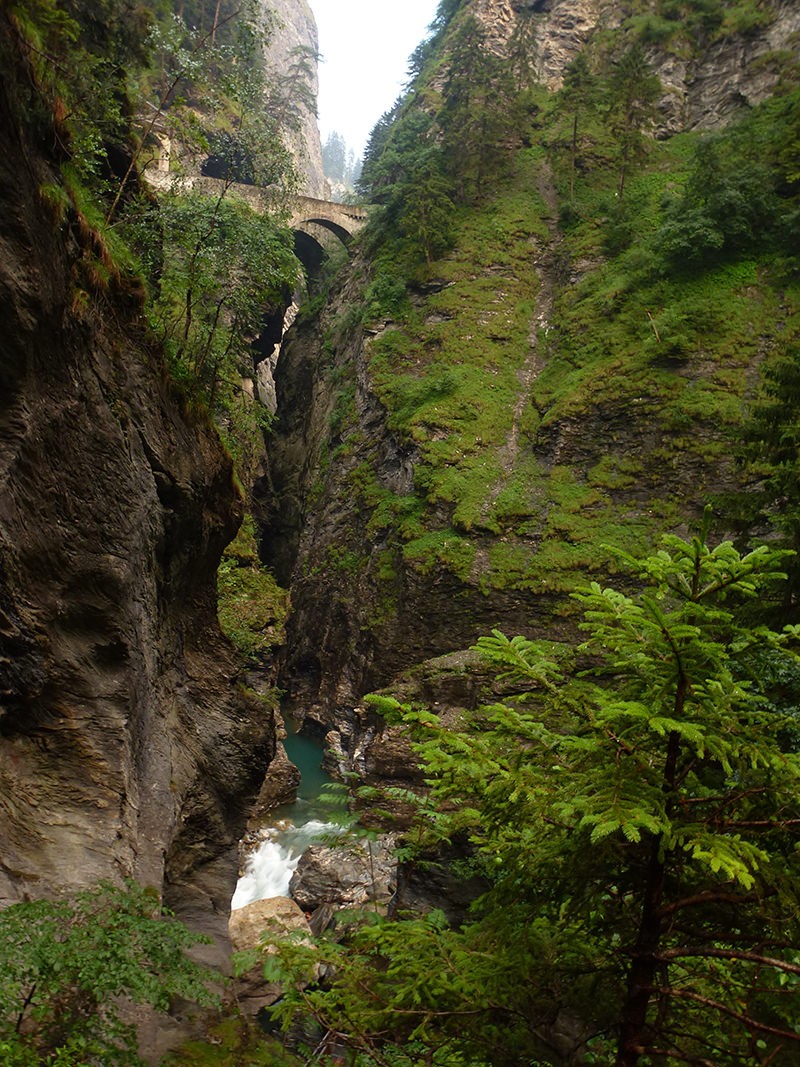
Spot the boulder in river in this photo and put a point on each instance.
(349, 877)
(250, 928)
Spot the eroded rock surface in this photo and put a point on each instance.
(360, 876)
(126, 747)
(250, 928)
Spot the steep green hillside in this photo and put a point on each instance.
(565, 301)
(579, 376)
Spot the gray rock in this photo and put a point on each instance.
(350, 877)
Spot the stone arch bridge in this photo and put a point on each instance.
(343, 220)
(308, 214)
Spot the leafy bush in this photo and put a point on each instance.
(67, 966)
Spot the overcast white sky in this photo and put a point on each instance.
(365, 45)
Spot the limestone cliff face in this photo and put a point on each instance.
(703, 89)
(125, 747)
(295, 38)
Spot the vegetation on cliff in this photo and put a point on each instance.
(119, 83)
(117, 500)
(567, 313)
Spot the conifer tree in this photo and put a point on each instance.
(633, 805)
(771, 448)
(426, 216)
(634, 90)
(576, 95)
(477, 114)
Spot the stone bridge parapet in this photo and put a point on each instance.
(344, 220)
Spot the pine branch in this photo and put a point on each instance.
(746, 1020)
(729, 954)
(707, 897)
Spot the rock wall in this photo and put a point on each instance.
(126, 748)
(295, 29)
(703, 88)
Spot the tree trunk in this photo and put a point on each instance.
(574, 155)
(642, 973)
(215, 25)
(644, 964)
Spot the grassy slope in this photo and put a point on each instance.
(626, 427)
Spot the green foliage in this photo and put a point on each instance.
(232, 1043)
(728, 206)
(64, 965)
(219, 267)
(81, 52)
(478, 114)
(635, 812)
(427, 212)
(633, 92)
(339, 161)
(770, 447)
(251, 605)
(658, 303)
(580, 93)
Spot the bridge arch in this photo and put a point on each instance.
(343, 234)
(343, 220)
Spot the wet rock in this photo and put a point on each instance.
(280, 786)
(350, 877)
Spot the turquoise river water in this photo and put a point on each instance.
(270, 865)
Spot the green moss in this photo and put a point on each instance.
(338, 560)
(343, 411)
(441, 548)
(251, 606)
(510, 566)
(615, 472)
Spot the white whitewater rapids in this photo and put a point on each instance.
(270, 866)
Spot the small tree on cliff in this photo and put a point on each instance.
(638, 821)
(576, 95)
(633, 90)
(66, 967)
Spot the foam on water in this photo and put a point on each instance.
(272, 862)
(270, 866)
